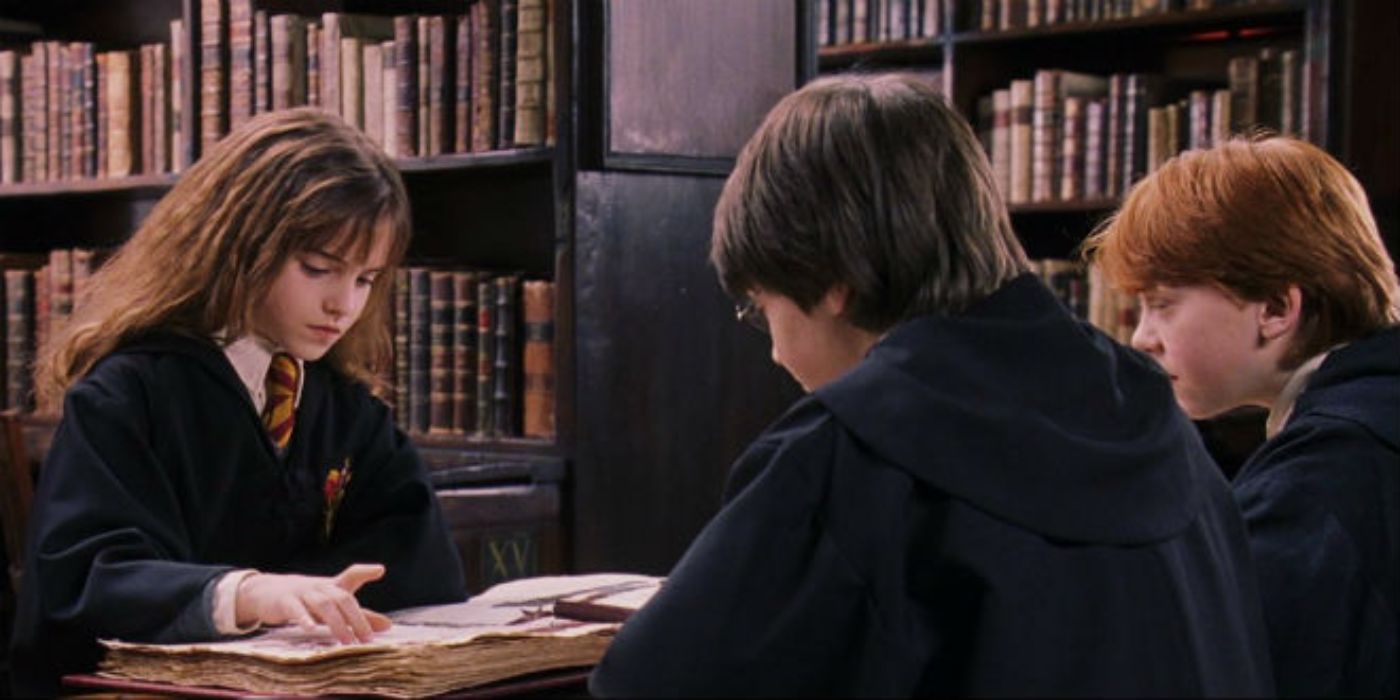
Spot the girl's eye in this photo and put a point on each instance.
(364, 281)
(313, 270)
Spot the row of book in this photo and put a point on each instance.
(1002, 15)
(1067, 136)
(68, 112)
(474, 353)
(861, 21)
(420, 85)
(40, 290)
(1083, 291)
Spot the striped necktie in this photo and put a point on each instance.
(280, 412)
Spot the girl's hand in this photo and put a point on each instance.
(278, 599)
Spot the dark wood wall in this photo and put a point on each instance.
(670, 388)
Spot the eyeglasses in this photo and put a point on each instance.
(748, 311)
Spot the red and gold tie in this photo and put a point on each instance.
(280, 412)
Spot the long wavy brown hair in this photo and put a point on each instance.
(286, 182)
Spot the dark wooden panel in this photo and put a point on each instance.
(505, 532)
(693, 78)
(496, 218)
(670, 388)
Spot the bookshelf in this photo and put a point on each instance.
(504, 208)
(1190, 45)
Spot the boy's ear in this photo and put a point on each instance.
(835, 300)
(1279, 316)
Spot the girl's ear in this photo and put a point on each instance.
(1279, 316)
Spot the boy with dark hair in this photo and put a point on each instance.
(1264, 282)
(980, 495)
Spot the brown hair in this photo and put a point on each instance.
(286, 182)
(1251, 217)
(874, 182)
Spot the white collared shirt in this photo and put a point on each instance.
(1282, 407)
(251, 357)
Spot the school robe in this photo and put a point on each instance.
(1321, 501)
(161, 478)
(1000, 502)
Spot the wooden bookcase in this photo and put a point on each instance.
(500, 211)
(1344, 107)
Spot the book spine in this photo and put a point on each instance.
(538, 360)
(279, 35)
(464, 350)
(485, 356)
(1244, 93)
(1001, 141)
(120, 91)
(1044, 134)
(406, 78)
(27, 104)
(486, 37)
(86, 109)
(419, 348)
(1113, 159)
(423, 105)
(9, 117)
(505, 103)
(262, 62)
(352, 88)
(179, 135)
(389, 96)
(313, 63)
(19, 334)
(505, 382)
(159, 115)
(1094, 148)
(438, 86)
(462, 100)
(440, 379)
(330, 62)
(529, 73)
(57, 103)
(144, 97)
(213, 72)
(402, 331)
(1022, 105)
(370, 98)
(104, 119)
(1072, 151)
(240, 47)
(1290, 93)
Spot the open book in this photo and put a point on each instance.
(507, 631)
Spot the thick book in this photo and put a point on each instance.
(464, 349)
(485, 356)
(405, 137)
(9, 117)
(442, 331)
(402, 329)
(419, 347)
(19, 337)
(262, 62)
(288, 38)
(508, 631)
(213, 72)
(486, 35)
(538, 394)
(462, 76)
(179, 133)
(530, 69)
(506, 382)
(240, 48)
(505, 55)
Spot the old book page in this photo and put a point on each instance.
(509, 630)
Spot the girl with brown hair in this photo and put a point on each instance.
(221, 462)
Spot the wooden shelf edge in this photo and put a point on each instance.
(159, 183)
(472, 161)
(845, 54)
(1184, 19)
(133, 184)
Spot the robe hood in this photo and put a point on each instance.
(1024, 412)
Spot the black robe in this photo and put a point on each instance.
(161, 478)
(1002, 502)
(1321, 500)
